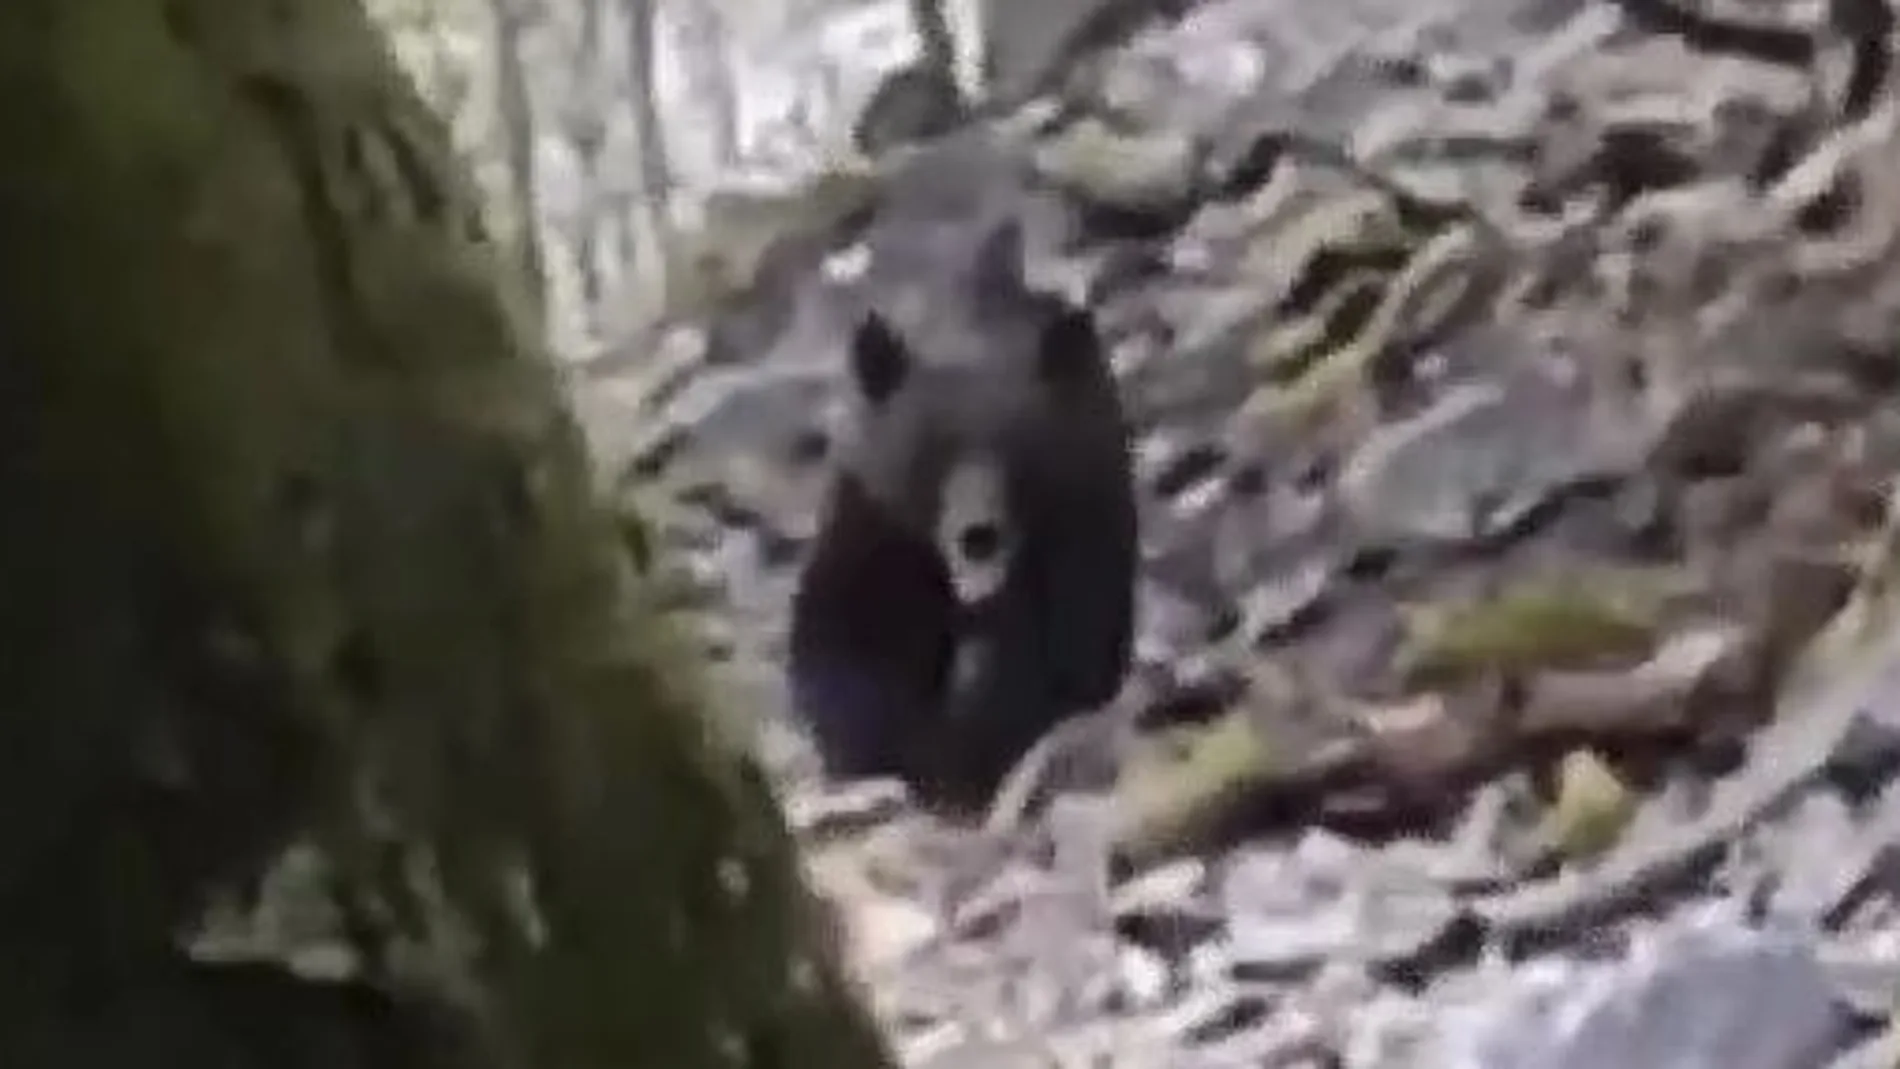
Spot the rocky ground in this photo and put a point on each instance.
(1517, 675)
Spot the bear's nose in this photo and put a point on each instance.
(980, 543)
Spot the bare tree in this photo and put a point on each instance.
(936, 43)
(707, 45)
(656, 178)
(587, 121)
(518, 134)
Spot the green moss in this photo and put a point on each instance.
(1176, 797)
(302, 552)
(1591, 810)
(1533, 624)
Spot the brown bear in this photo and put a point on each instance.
(972, 581)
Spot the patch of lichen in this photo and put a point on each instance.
(301, 549)
(1534, 623)
(1590, 810)
(1179, 791)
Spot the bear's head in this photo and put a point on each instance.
(981, 501)
(962, 453)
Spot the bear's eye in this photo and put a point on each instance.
(880, 361)
(980, 543)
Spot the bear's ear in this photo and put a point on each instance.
(1071, 350)
(879, 359)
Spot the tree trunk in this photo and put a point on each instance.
(656, 170)
(332, 731)
(937, 47)
(519, 131)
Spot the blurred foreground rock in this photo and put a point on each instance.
(340, 728)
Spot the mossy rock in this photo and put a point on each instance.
(1531, 624)
(1591, 809)
(1178, 793)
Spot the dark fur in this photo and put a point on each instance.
(862, 679)
(876, 626)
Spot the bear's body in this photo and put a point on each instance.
(972, 580)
